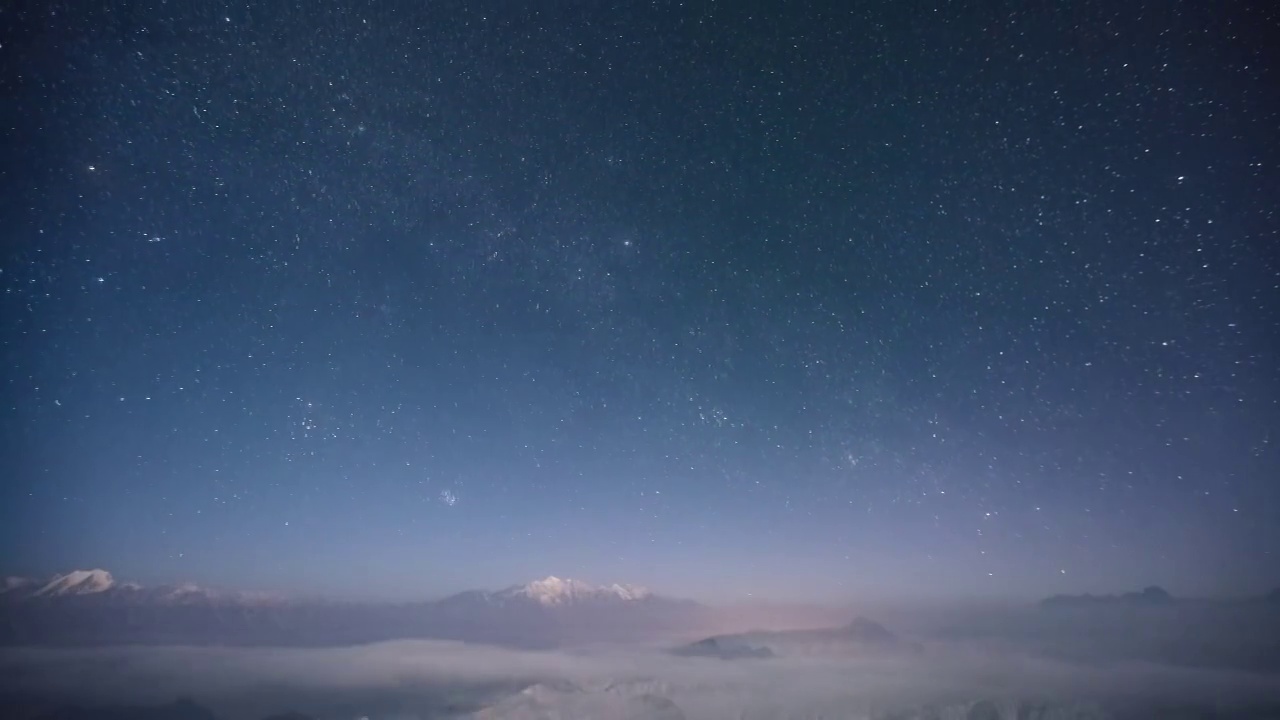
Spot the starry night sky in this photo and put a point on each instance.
(731, 300)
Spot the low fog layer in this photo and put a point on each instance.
(433, 679)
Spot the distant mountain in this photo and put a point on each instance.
(76, 582)
(104, 587)
(859, 637)
(1151, 626)
(1149, 596)
(726, 648)
(869, 632)
(554, 591)
(554, 611)
(190, 593)
(89, 607)
(1152, 596)
(79, 582)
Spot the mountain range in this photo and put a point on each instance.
(90, 607)
(1151, 595)
(101, 586)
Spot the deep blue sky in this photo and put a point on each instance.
(730, 300)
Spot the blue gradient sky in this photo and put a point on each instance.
(389, 301)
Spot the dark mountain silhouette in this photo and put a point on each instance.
(870, 632)
(1149, 596)
(858, 637)
(725, 648)
(1151, 625)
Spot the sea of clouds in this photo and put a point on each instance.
(424, 679)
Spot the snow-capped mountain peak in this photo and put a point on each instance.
(629, 592)
(100, 584)
(77, 582)
(554, 591)
(557, 591)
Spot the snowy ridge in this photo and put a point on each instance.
(87, 607)
(185, 593)
(556, 591)
(77, 582)
(100, 584)
(548, 592)
(629, 592)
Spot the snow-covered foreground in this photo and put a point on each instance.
(432, 679)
